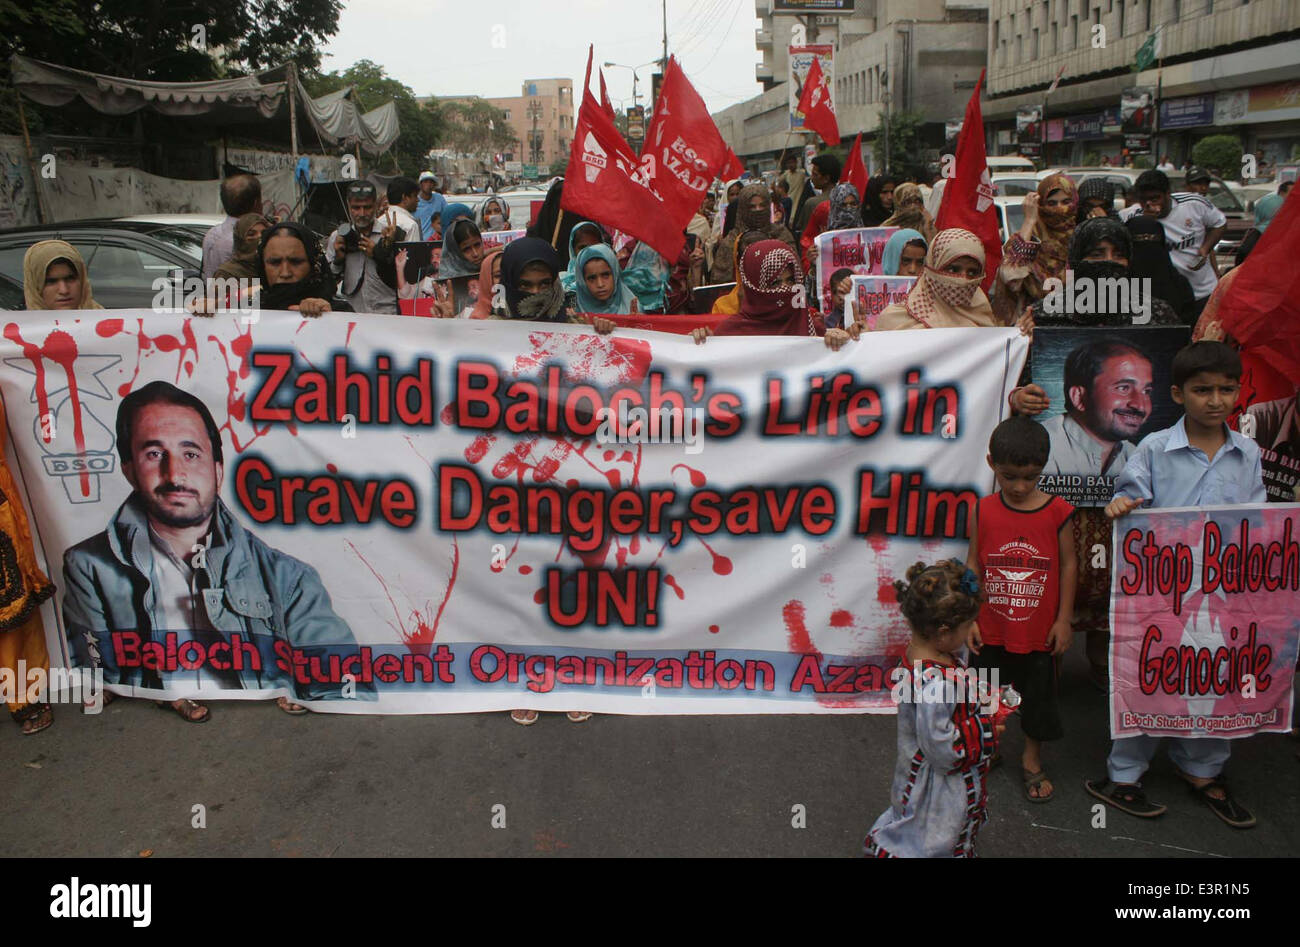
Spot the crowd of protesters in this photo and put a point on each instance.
(747, 259)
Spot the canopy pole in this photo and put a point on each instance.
(31, 161)
(293, 110)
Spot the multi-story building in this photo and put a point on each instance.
(890, 56)
(1225, 66)
(541, 117)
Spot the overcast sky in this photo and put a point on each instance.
(445, 47)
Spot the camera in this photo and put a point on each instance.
(351, 238)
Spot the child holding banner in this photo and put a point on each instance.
(1199, 461)
(1021, 547)
(944, 742)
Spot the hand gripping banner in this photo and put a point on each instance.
(372, 514)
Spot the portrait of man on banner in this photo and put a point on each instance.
(1108, 388)
(175, 593)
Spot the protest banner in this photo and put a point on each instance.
(492, 239)
(871, 294)
(1109, 388)
(1275, 427)
(859, 250)
(1205, 619)
(402, 516)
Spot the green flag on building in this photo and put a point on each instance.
(1149, 51)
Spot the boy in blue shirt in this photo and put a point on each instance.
(1199, 461)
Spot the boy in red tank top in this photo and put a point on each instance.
(1025, 559)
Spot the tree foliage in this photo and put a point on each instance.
(475, 126)
(422, 125)
(1219, 154)
(904, 140)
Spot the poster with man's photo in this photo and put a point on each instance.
(1275, 426)
(859, 250)
(1136, 110)
(1108, 388)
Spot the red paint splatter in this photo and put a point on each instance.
(713, 629)
(721, 564)
(525, 570)
(697, 476)
(61, 349)
(425, 623)
(840, 618)
(672, 584)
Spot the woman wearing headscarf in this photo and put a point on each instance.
(1149, 259)
(454, 212)
(1038, 252)
(770, 305)
(878, 202)
(844, 211)
(489, 277)
(494, 214)
(904, 254)
(1101, 248)
(730, 207)
(909, 211)
(1265, 209)
(248, 235)
(947, 294)
(754, 213)
(1096, 199)
(600, 289)
(55, 277)
(292, 271)
(647, 275)
(22, 633)
(728, 304)
(462, 251)
(585, 233)
(553, 222)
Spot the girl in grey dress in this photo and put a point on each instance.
(944, 742)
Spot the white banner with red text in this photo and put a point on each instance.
(374, 514)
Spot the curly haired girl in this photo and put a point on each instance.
(944, 742)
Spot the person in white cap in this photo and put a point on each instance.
(430, 206)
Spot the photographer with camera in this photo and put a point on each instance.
(369, 280)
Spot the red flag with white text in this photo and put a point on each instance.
(684, 151)
(968, 196)
(815, 103)
(605, 182)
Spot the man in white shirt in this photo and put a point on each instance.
(350, 253)
(1192, 227)
(240, 194)
(403, 198)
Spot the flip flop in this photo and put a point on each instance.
(1035, 781)
(579, 716)
(1227, 808)
(186, 710)
(1125, 797)
(522, 717)
(34, 712)
(292, 709)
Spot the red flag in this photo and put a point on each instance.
(605, 103)
(684, 151)
(606, 183)
(968, 195)
(815, 103)
(1261, 310)
(855, 172)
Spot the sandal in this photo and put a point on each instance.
(1035, 781)
(187, 711)
(525, 718)
(289, 707)
(1125, 797)
(579, 716)
(34, 718)
(1228, 809)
